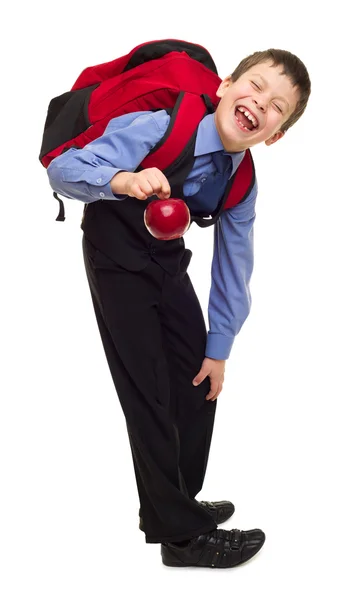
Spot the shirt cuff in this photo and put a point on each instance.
(97, 181)
(105, 193)
(218, 346)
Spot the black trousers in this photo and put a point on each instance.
(154, 336)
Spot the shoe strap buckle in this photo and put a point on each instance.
(235, 535)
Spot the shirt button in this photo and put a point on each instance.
(99, 180)
(101, 194)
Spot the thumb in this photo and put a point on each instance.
(199, 378)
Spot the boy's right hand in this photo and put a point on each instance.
(142, 185)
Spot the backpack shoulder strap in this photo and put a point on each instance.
(243, 181)
(186, 115)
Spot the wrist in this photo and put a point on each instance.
(120, 182)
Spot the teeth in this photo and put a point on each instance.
(243, 126)
(249, 115)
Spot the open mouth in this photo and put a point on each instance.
(245, 120)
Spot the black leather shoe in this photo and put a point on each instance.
(220, 511)
(219, 549)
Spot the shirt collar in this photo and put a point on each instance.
(208, 141)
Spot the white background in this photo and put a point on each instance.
(286, 447)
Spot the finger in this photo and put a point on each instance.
(165, 186)
(165, 189)
(159, 183)
(213, 390)
(145, 185)
(199, 377)
(155, 183)
(137, 192)
(215, 395)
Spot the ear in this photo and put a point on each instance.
(274, 138)
(223, 86)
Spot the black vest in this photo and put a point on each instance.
(117, 229)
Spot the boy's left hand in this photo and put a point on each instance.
(215, 370)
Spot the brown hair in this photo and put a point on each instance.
(293, 68)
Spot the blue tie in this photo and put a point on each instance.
(222, 162)
(205, 201)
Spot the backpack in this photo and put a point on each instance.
(161, 74)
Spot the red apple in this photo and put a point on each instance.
(167, 219)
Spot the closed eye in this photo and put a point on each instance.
(259, 88)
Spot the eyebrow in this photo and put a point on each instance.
(266, 83)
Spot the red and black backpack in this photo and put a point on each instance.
(156, 75)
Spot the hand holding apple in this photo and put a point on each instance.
(141, 185)
(166, 218)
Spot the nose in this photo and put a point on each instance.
(260, 105)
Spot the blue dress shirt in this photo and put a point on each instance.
(85, 174)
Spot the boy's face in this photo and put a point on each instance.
(267, 95)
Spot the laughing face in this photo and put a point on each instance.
(253, 108)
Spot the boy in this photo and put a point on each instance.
(167, 370)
